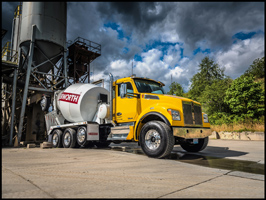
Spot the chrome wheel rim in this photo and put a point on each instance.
(55, 139)
(152, 139)
(67, 139)
(81, 135)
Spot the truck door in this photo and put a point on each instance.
(126, 107)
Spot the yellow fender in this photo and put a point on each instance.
(159, 111)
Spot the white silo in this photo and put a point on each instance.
(50, 20)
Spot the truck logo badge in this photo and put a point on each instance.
(69, 97)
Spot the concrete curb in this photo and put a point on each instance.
(246, 135)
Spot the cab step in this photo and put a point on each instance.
(119, 133)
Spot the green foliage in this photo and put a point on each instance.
(219, 118)
(176, 89)
(212, 97)
(208, 73)
(227, 101)
(257, 69)
(245, 98)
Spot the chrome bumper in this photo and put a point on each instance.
(191, 132)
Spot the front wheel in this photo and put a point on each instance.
(156, 139)
(190, 147)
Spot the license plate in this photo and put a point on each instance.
(195, 141)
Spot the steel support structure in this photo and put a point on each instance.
(29, 68)
(14, 92)
(80, 55)
(38, 81)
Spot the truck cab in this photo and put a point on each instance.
(143, 112)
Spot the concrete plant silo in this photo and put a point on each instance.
(42, 56)
(50, 37)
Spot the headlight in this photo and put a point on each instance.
(175, 114)
(205, 118)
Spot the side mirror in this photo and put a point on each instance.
(123, 90)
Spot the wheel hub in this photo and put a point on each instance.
(81, 135)
(67, 138)
(55, 139)
(152, 139)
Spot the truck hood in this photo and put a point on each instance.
(171, 99)
(163, 100)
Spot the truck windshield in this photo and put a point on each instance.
(148, 86)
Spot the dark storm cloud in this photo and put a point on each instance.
(135, 16)
(8, 9)
(212, 24)
(217, 22)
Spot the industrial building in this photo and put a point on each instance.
(37, 61)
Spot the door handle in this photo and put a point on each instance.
(118, 114)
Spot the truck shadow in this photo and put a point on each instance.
(220, 152)
(214, 157)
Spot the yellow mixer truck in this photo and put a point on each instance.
(135, 109)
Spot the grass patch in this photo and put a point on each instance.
(239, 127)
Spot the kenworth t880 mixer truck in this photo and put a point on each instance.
(133, 110)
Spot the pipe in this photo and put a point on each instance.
(111, 96)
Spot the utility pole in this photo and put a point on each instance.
(171, 79)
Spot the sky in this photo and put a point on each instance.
(165, 41)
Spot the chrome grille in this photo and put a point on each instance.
(192, 113)
(197, 115)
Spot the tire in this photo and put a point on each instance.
(57, 138)
(156, 139)
(202, 144)
(69, 138)
(82, 136)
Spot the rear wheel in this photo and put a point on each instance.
(82, 136)
(69, 138)
(57, 138)
(190, 147)
(156, 139)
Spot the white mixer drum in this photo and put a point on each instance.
(79, 102)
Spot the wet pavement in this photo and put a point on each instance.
(212, 156)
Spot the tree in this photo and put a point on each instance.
(257, 69)
(208, 73)
(213, 96)
(176, 89)
(245, 98)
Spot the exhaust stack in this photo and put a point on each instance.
(111, 96)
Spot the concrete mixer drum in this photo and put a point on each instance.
(79, 102)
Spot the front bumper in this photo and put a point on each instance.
(188, 132)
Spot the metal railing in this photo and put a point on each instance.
(18, 11)
(9, 55)
(91, 46)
